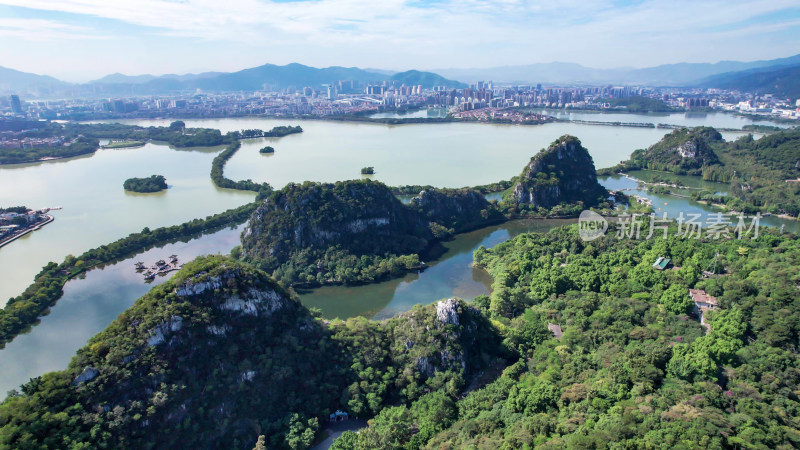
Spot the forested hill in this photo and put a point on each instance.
(780, 81)
(354, 231)
(221, 354)
(634, 367)
(684, 151)
(358, 231)
(563, 173)
(428, 80)
(761, 173)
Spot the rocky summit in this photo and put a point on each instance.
(562, 173)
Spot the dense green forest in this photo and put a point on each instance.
(414, 189)
(153, 183)
(355, 231)
(14, 209)
(316, 233)
(760, 172)
(219, 179)
(281, 131)
(267, 149)
(176, 134)
(81, 146)
(668, 153)
(23, 311)
(634, 369)
(221, 354)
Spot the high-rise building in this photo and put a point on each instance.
(119, 105)
(16, 105)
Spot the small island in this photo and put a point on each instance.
(267, 150)
(123, 143)
(153, 183)
(368, 170)
(282, 131)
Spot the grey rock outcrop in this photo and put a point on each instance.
(562, 173)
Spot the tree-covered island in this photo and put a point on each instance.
(153, 183)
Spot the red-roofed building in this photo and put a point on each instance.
(702, 303)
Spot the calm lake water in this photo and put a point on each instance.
(90, 304)
(97, 210)
(442, 155)
(684, 119)
(452, 275)
(673, 205)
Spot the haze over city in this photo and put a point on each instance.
(81, 40)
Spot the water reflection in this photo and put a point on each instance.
(452, 275)
(90, 304)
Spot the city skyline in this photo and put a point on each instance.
(81, 40)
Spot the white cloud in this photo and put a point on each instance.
(43, 30)
(421, 34)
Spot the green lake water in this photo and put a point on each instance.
(96, 211)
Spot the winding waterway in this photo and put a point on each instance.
(673, 205)
(90, 303)
(452, 275)
(97, 211)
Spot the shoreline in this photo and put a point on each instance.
(36, 227)
(421, 120)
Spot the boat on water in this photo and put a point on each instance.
(139, 265)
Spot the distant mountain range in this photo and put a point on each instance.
(682, 74)
(426, 79)
(781, 81)
(298, 76)
(118, 78)
(257, 78)
(14, 81)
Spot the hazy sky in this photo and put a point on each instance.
(79, 40)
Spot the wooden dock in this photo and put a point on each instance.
(159, 268)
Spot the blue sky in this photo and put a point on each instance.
(79, 40)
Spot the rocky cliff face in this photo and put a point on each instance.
(562, 173)
(683, 151)
(460, 209)
(362, 217)
(221, 354)
(220, 349)
(354, 231)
